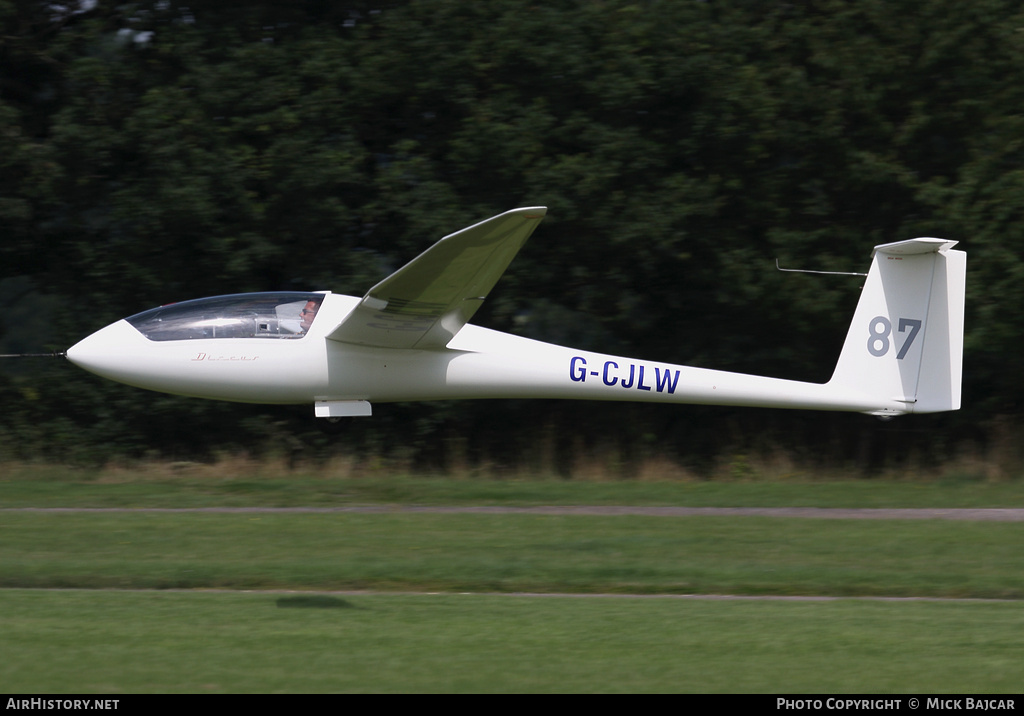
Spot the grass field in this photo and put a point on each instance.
(118, 642)
(513, 553)
(474, 634)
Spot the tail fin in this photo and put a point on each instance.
(905, 345)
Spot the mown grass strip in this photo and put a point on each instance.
(117, 642)
(513, 553)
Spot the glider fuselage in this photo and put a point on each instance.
(478, 363)
(408, 339)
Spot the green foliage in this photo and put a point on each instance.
(160, 151)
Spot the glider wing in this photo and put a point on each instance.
(427, 301)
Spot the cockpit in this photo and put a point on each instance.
(286, 314)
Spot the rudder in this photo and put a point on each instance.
(905, 344)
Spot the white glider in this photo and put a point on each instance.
(408, 339)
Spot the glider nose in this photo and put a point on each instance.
(107, 352)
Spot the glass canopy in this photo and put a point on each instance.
(244, 315)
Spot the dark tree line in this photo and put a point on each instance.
(159, 151)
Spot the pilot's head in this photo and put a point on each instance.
(308, 314)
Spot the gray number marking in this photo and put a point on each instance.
(878, 340)
(915, 327)
(879, 336)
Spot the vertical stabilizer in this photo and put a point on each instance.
(906, 340)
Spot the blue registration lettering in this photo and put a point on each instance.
(666, 380)
(578, 369)
(609, 364)
(640, 381)
(632, 368)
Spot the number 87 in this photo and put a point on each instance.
(878, 341)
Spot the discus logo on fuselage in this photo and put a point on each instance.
(207, 356)
(629, 377)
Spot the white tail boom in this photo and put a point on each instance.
(902, 354)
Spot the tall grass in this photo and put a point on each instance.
(999, 461)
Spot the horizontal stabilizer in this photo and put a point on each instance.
(911, 247)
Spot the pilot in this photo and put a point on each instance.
(307, 315)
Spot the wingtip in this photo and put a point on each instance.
(531, 212)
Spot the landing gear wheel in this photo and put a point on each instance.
(331, 426)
